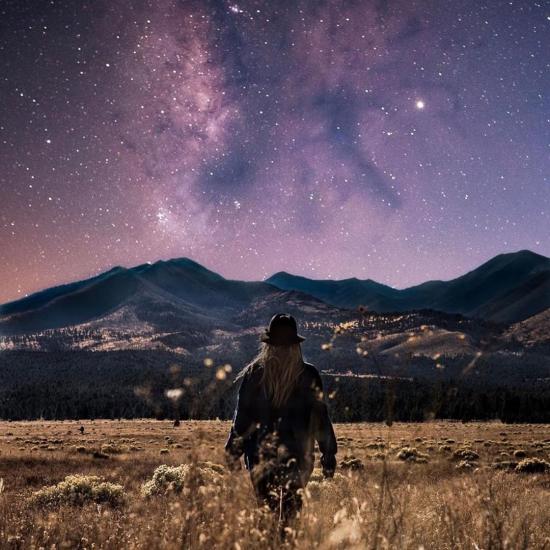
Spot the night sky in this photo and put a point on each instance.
(394, 140)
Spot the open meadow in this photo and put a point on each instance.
(434, 485)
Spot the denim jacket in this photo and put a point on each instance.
(295, 426)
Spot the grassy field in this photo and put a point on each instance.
(434, 485)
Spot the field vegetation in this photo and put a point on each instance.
(150, 484)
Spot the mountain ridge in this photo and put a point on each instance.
(507, 288)
(476, 293)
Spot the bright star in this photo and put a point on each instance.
(420, 104)
(162, 216)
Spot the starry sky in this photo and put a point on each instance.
(395, 140)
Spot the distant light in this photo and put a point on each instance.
(420, 104)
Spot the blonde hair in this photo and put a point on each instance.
(282, 367)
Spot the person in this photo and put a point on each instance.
(280, 413)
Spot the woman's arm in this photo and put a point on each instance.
(243, 424)
(324, 432)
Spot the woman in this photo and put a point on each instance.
(280, 414)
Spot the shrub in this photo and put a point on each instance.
(79, 490)
(465, 465)
(376, 445)
(532, 466)
(411, 454)
(100, 455)
(319, 486)
(505, 465)
(173, 479)
(207, 465)
(352, 463)
(465, 453)
(111, 449)
(314, 489)
(166, 479)
(379, 456)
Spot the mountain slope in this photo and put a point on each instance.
(180, 290)
(533, 332)
(345, 293)
(490, 282)
(70, 304)
(522, 302)
(507, 288)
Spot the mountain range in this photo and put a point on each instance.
(508, 288)
(180, 294)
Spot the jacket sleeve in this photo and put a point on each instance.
(243, 423)
(324, 432)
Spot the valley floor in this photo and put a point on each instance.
(433, 485)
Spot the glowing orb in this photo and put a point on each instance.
(420, 104)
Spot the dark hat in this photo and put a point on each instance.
(282, 331)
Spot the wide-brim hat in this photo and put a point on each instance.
(282, 331)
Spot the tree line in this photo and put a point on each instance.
(136, 384)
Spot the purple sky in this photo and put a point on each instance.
(399, 141)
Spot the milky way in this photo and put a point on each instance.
(399, 141)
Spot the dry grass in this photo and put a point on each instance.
(381, 498)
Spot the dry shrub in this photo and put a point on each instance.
(79, 490)
(466, 465)
(412, 454)
(174, 479)
(352, 463)
(99, 455)
(505, 465)
(465, 453)
(376, 445)
(320, 488)
(533, 466)
(112, 449)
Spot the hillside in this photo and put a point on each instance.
(168, 295)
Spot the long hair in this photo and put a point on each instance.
(282, 367)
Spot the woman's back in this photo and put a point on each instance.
(293, 425)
